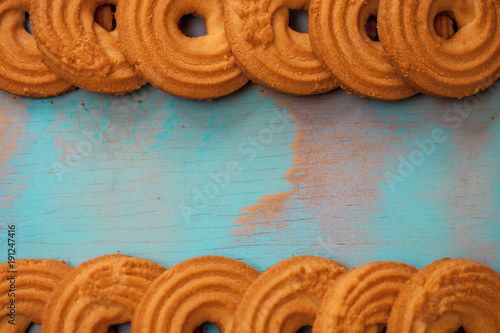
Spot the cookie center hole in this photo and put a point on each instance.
(305, 329)
(371, 28)
(206, 328)
(445, 25)
(460, 330)
(105, 17)
(299, 20)
(383, 330)
(192, 26)
(122, 328)
(27, 23)
(34, 328)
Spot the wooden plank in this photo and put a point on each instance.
(257, 176)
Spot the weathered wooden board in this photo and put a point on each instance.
(258, 176)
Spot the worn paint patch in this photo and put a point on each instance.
(12, 135)
(162, 179)
(344, 150)
(440, 198)
(340, 140)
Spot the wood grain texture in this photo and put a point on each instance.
(370, 182)
(257, 176)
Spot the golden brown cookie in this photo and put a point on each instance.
(25, 288)
(22, 324)
(22, 71)
(199, 290)
(344, 36)
(197, 68)
(100, 293)
(79, 50)
(449, 295)
(286, 297)
(416, 35)
(270, 52)
(360, 301)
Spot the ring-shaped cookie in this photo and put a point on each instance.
(100, 293)
(198, 68)
(286, 297)
(456, 66)
(361, 300)
(199, 290)
(22, 71)
(447, 295)
(270, 52)
(30, 287)
(79, 50)
(338, 30)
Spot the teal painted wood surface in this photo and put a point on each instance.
(257, 176)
